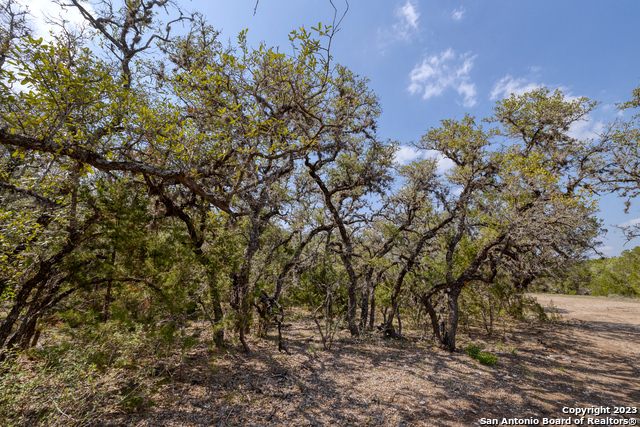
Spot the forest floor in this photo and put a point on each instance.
(588, 357)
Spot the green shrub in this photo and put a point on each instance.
(474, 350)
(133, 398)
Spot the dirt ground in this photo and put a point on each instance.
(590, 357)
(605, 312)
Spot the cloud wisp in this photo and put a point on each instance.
(439, 73)
(630, 223)
(406, 155)
(405, 27)
(444, 163)
(586, 129)
(458, 14)
(509, 85)
(407, 23)
(43, 14)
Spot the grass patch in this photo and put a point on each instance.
(475, 351)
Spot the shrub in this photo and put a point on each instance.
(474, 350)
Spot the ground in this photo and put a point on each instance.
(589, 357)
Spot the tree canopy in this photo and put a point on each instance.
(221, 183)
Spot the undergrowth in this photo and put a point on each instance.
(77, 380)
(474, 350)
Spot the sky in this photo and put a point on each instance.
(430, 60)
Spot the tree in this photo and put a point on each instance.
(521, 206)
(203, 127)
(616, 276)
(622, 173)
(415, 222)
(361, 169)
(257, 164)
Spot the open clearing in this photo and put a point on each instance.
(589, 358)
(599, 312)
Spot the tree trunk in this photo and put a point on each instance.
(345, 255)
(36, 337)
(364, 309)
(107, 296)
(41, 276)
(107, 301)
(465, 311)
(218, 315)
(389, 330)
(364, 305)
(435, 324)
(451, 326)
(352, 305)
(373, 308)
(240, 285)
(28, 332)
(23, 337)
(490, 314)
(240, 303)
(12, 317)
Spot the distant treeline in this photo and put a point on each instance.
(599, 277)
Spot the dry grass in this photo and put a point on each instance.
(375, 382)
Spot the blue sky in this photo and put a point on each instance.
(434, 60)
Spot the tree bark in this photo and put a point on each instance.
(435, 324)
(218, 315)
(40, 277)
(451, 326)
(345, 255)
(406, 268)
(373, 308)
(364, 304)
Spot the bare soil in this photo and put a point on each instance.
(588, 357)
(604, 312)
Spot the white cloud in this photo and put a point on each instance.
(631, 222)
(447, 70)
(469, 92)
(406, 154)
(40, 19)
(585, 129)
(580, 130)
(444, 163)
(508, 85)
(458, 14)
(41, 13)
(608, 108)
(405, 26)
(408, 16)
